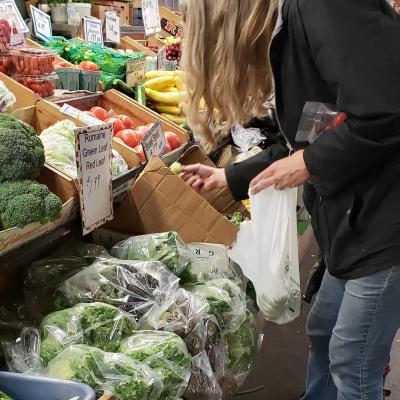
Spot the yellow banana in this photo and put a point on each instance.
(160, 82)
(156, 74)
(171, 89)
(162, 108)
(179, 120)
(168, 98)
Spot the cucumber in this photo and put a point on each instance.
(140, 95)
(124, 88)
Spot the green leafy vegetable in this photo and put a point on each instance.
(236, 218)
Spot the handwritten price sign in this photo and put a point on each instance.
(151, 17)
(41, 24)
(93, 30)
(135, 71)
(113, 29)
(154, 142)
(93, 158)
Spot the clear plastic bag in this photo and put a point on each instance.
(267, 251)
(118, 164)
(7, 99)
(95, 324)
(246, 140)
(166, 247)
(133, 286)
(164, 352)
(108, 373)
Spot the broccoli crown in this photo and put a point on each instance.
(21, 150)
(24, 202)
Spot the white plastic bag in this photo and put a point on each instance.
(267, 251)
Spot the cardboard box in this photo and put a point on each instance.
(99, 8)
(160, 201)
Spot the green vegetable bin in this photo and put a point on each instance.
(89, 80)
(68, 78)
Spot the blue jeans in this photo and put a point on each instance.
(352, 325)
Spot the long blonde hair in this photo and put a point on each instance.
(226, 60)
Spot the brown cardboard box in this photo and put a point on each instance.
(160, 201)
(99, 8)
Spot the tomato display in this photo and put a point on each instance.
(5, 64)
(88, 66)
(99, 113)
(128, 123)
(44, 85)
(129, 137)
(173, 140)
(118, 125)
(30, 61)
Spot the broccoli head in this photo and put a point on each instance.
(24, 202)
(21, 150)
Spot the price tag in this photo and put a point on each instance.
(154, 142)
(93, 159)
(8, 9)
(113, 29)
(93, 32)
(41, 24)
(162, 58)
(151, 17)
(135, 71)
(80, 115)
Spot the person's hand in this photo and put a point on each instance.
(286, 173)
(203, 178)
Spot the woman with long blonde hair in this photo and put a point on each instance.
(346, 53)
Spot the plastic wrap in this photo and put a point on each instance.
(166, 247)
(246, 140)
(7, 98)
(109, 373)
(118, 164)
(133, 286)
(95, 324)
(164, 352)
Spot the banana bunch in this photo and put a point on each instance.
(166, 93)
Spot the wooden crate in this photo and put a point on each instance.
(99, 8)
(128, 43)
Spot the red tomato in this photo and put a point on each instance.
(143, 129)
(140, 135)
(128, 123)
(139, 149)
(63, 64)
(173, 140)
(88, 66)
(168, 148)
(118, 125)
(129, 137)
(99, 113)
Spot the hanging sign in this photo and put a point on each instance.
(113, 29)
(93, 147)
(9, 10)
(171, 28)
(41, 24)
(93, 31)
(154, 142)
(151, 17)
(135, 71)
(162, 58)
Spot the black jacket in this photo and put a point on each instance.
(345, 52)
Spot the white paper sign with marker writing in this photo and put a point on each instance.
(41, 24)
(151, 17)
(162, 58)
(93, 159)
(93, 30)
(154, 142)
(80, 115)
(135, 71)
(8, 9)
(113, 29)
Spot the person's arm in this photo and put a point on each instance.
(356, 47)
(239, 175)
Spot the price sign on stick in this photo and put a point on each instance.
(154, 142)
(113, 29)
(93, 159)
(9, 9)
(93, 32)
(135, 71)
(41, 24)
(151, 17)
(162, 58)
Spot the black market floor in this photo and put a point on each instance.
(280, 369)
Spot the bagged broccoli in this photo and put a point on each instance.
(164, 352)
(95, 324)
(109, 373)
(133, 286)
(166, 247)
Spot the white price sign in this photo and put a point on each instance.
(162, 58)
(80, 115)
(8, 8)
(135, 71)
(154, 142)
(41, 24)
(113, 29)
(151, 17)
(93, 158)
(93, 30)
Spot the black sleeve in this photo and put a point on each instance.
(240, 175)
(356, 48)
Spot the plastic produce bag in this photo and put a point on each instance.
(95, 324)
(109, 373)
(166, 247)
(164, 352)
(246, 140)
(133, 286)
(267, 251)
(7, 99)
